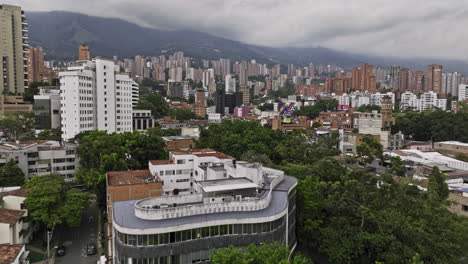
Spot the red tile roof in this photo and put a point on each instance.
(21, 192)
(115, 178)
(8, 216)
(8, 253)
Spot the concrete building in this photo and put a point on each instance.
(36, 68)
(228, 202)
(429, 101)
(13, 50)
(230, 84)
(95, 95)
(47, 108)
(13, 104)
(83, 53)
(128, 185)
(462, 92)
(41, 157)
(142, 120)
(409, 101)
(434, 79)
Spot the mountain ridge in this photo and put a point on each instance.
(60, 33)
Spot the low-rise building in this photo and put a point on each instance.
(13, 104)
(41, 157)
(338, 120)
(451, 147)
(142, 120)
(13, 254)
(128, 185)
(179, 142)
(47, 108)
(15, 225)
(210, 201)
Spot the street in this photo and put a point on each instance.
(76, 238)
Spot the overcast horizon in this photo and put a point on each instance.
(405, 28)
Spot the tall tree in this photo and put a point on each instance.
(51, 202)
(11, 175)
(437, 187)
(19, 125)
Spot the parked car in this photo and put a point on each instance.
(91, 249)
(60, 251)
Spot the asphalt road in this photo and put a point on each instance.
(76, 238)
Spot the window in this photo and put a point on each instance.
(464, 208)
(180, 161)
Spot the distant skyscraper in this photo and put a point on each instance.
(291, 69)
(13, 50)
(230, 84)
(35, 64)
(243, 74)
(394, 76)
(139, 65)
(434, 78)
(83, 53)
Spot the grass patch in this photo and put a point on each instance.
(35, 257)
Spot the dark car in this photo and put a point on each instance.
(91, 249)
(61, 251)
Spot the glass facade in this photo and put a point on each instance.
(197, 233)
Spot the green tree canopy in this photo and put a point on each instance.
(100, 153)
(369, 150)
(51, 202)
(351, 218)
(268, 253)
(11, 175)
(368, 108)
(183, 113)
(156, 103)
(437, 187)
(19, 125)
(50, 134)
(434, 125)
(313, 111)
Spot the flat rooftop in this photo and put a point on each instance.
(115, 178)
(227, 184)
(124, 211)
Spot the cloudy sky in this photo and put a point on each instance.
(403, 28)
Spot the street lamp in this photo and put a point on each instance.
(49, 236)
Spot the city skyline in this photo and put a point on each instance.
(396, 30)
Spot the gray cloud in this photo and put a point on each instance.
(414, 28)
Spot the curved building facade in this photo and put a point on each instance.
(256, 208)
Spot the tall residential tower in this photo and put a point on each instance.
(13, 50)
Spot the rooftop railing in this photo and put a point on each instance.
(168, 207)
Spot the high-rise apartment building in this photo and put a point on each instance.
(84, 53)
(434, 78)
(363, 78)
(243, 73)
(230, 84)
(13, 50)
(36, 66)
(95, 95)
